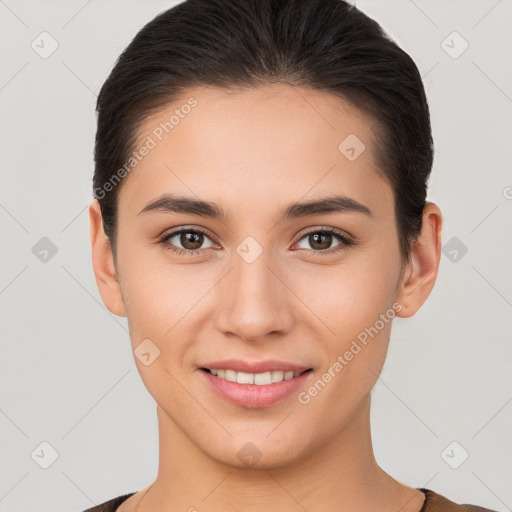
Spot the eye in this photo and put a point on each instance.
(191, 241)
(321, 240)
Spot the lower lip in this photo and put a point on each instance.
(252, 395)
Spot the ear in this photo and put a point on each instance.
(421, 272)
(103, 263)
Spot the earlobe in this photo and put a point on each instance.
(421, 272)
(103, 263)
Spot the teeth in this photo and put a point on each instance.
(259, 379)
(230, 375)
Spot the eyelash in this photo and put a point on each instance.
(344, 241)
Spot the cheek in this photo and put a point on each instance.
(164, 301)
(145, 292)
(346, 297)
(355, 303)
(358, 308)
(350, 296)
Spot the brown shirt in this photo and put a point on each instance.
(433, 503)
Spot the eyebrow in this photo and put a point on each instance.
(171, 203)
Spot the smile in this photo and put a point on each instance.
(258, 379)
(254, 390)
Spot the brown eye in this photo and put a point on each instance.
(320, 241)
(190, 240)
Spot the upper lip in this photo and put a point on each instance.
(268, 365)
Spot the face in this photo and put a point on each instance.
(313, 290)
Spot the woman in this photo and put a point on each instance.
(260, 218)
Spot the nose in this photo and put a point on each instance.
(254, 300)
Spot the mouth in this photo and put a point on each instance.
(254, 390)
(256, 379)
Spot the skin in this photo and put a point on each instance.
(253, 152)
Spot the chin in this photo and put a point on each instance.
(260, 453)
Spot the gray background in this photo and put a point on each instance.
(68, 377)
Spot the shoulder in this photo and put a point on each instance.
(110, 505)
(436, 503)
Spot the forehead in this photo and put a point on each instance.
(252, 147)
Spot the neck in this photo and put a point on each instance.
(341, 475)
